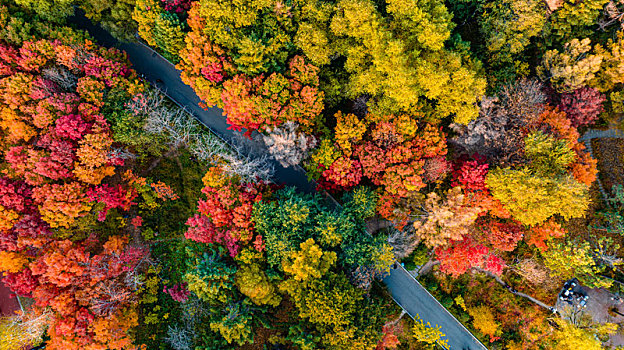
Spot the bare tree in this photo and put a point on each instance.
(403, 242)
(179, 338)
(65, 79)
(498, 133)
(288, 146)
(183, 130)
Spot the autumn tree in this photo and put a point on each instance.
(446, 219)
(483, 320)
(425, 333)
(399, 84)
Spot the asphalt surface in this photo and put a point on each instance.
(415, 300)
(163, 74)
(405, 290)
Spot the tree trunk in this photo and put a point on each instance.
(428, 266)
(515, 292)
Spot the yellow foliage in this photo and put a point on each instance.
(254, 283)
(8, 218)
(215, 178)
(572, 68)
(612, 71)
(349, 130)
(308, 263)
(427, 334)
(12, 262)
(145, 13)
(483, 320)
(569, 337)
(532, 199)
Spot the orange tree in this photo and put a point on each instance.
(60, 179)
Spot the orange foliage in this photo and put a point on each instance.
(16, 129)
(8, 218)
(538, 235)
(61, 205)
(584, 169)
(12, 262)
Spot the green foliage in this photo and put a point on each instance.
(337, 309)
(360, 204)
(18, 25)
(574, 19)
(159, 28)
(575, 259)
(509, 25)
(234, 323)
(284, 223)
(255, 32)
(211, 278)
(169, 35)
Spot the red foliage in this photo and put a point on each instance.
(213, 72)
(15, 195)
(389, 339)
(582, 106)
(470, 174)
(178, 292)
(502, 235)
(72, 126)
(137, 221)
(112, 197)
(344, 173)
(46, 134)
(461, 256)
(256, 103)
(177, 6)
(22, 282)
(225, 215)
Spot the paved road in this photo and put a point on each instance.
(406, 291)
(415, 300)
(154, 67)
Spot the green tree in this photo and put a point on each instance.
(284, 223)
(234, 323)
(575, 259)
(210, 277)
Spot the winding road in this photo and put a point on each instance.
(405, 289)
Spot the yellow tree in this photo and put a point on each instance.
(532, 199)
(569, 337)
(427, 334)
(483, 320)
